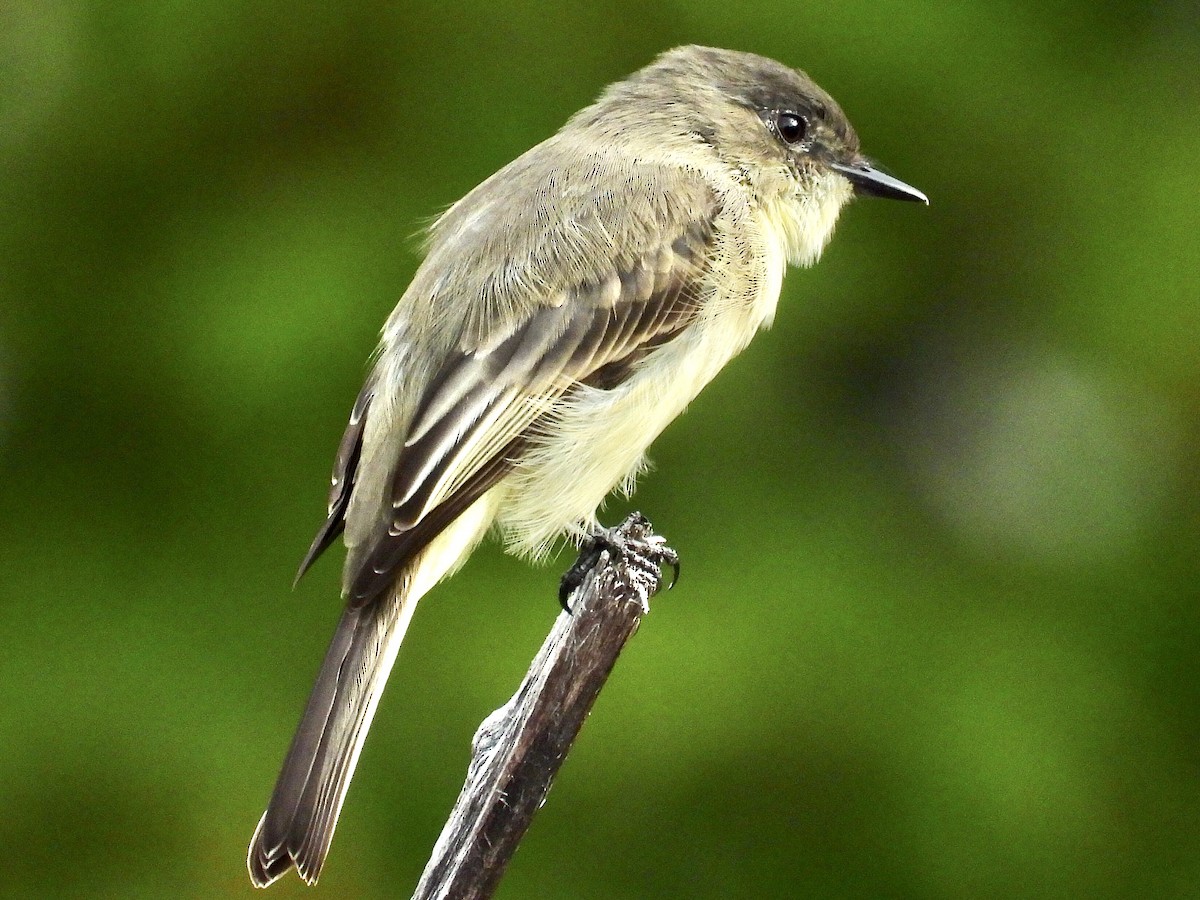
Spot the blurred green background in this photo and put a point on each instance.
(937, 633)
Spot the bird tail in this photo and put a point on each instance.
(298, 825)
(300, 819)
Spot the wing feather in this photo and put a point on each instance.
(482, 407)
(345, 467)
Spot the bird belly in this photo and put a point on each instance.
(597, 439)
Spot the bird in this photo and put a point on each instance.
(566, 310)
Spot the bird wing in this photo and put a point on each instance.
(482, 407)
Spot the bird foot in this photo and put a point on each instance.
(633, 541)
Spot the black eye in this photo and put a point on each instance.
(791, 127)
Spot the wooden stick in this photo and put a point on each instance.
(519, 748)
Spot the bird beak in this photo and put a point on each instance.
(869, 180)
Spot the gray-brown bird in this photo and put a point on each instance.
(567, 310)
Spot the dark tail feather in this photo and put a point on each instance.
(298, 825)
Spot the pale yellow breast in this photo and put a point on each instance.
(599, 437)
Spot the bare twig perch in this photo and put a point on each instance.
(518, 749)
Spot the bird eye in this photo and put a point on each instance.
(791, 127)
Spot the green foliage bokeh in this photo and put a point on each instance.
(937, 633)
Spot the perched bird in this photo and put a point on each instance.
(567, 310)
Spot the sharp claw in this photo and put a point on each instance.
(674, 573)
(564, 595)
(589, 555)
